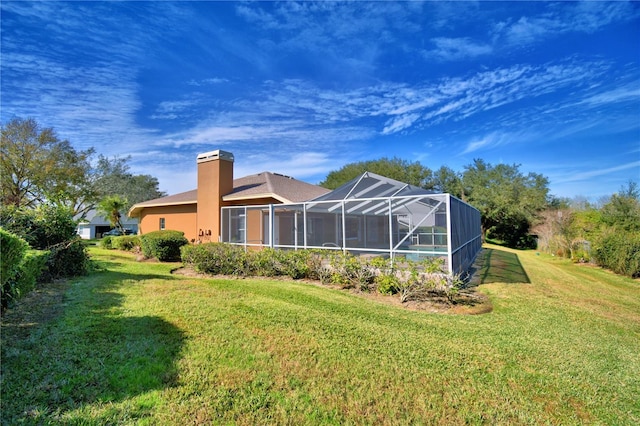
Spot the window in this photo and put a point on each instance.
(161, 223)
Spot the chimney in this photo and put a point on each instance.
(215, 179)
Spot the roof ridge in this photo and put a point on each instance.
(268, 181)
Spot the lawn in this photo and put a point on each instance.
(134, 344)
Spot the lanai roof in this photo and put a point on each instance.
(375, 191)
(371, 185)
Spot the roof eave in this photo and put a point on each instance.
(135, 209)
(280, 198)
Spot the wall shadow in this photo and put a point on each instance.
(501, 266)
(89, 351)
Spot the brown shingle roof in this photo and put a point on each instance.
(266, 184)
(262, 185)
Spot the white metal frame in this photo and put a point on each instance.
(458, 255)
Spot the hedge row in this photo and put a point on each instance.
(619, 252)
(410, 280)
(21, 268)
(226, 259)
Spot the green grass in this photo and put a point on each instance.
(134, 344)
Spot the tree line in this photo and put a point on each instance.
(37, 167)
(517, 209)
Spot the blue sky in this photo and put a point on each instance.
(303, 88)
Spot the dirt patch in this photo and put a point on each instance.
(467, 302)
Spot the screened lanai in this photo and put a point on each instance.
(371, 215)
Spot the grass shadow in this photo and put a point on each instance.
(501, 266)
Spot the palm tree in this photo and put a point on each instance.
(110, 208)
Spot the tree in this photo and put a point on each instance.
(447, 181)
(622, 212)
(508, 201)
(36, 166)
(394, 168)
(114, 178)
(111, 207)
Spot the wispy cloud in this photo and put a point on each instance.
(629, 93)
(453, 49)
(579, 17)
(171, 110)
(492, 140)
(207, 81)
(597, 172)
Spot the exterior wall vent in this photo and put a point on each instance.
(215, 155)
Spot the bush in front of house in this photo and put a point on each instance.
(125, 242)
(270, 262)
(227, 259)
(107, 242)
(163, 245)
(216, 258)
(409, 280)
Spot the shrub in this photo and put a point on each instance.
(23, 223)
(107, 242)
(12, 249)
(315, 260)
(163, 245)
(619, 252)
(215, 258)
(351, 272)
(20, 267)
(41, 228)
(298, 263)
(267, 262)
(125, 242)
(32, 270)
(387, 284)
(68, 259)
(52, 228)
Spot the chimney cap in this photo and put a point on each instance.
(215, 155)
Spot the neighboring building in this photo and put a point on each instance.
(93, 225)
(197, 212)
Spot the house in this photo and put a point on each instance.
(93, 225)
(197, 212)
(371, 215)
